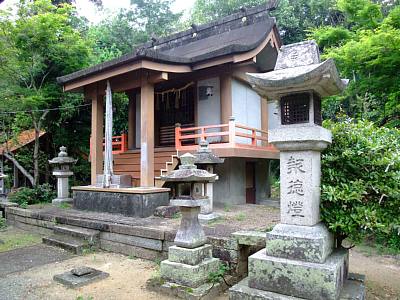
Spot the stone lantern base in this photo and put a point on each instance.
(299, 263)
(189, 267)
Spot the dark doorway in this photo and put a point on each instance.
(173, 107)
(250, 183)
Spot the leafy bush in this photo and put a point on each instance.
(26, 196)
(361, 182)
(3, 223)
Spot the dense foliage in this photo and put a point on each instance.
(27, 196)
(361, 182)
(366, 48)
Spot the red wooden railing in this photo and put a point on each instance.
(231, 135)
(119, 144)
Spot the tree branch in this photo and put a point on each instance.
(11, 158)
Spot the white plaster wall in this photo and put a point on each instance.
(209, 110)
(273, 114)
(137, 125)
(246, 107)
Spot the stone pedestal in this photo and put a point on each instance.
(62, 187)
(190, 261)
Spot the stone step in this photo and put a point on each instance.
(71, 244)
(89, 235)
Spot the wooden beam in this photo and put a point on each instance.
(126, 68)
(96, 140)
(147, 134)
(132, 121)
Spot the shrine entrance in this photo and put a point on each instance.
(172, 107)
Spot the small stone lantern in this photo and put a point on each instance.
(62, 170)
(190, 261)
(2, 185)
(205, 159)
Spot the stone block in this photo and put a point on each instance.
(72, 280)
(166, 211)
(132, 251)
(189, 256)
(131, 205)
(132, 240)
(187, 275)
(352, 290)
(250, 238)
(312, 244)
(299, 279)
(225, 254)
(221, 242)
(147, 232)
(300, 187)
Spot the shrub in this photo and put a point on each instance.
(26, 196)
(360, 182)
(3, 223)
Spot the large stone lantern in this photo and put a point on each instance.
(62, 170)
(207, 160)
(300, 259)
(190, 260)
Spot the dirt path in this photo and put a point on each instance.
(383, 275)
(127, 280)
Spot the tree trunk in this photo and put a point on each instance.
(36, 157)
(11, 158)
(37, 125)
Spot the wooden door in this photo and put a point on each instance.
(250, 183)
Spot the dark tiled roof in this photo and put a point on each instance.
(229, 35)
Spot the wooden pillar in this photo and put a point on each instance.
(226, 98)
(132, 121)
(97, 134)
(147, 134)
(264, 118)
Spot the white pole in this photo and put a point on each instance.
(108, 158)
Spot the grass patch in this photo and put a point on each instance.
(65, 205)
(217, 221)
(227, 207)
(11, 239)
(240, 217)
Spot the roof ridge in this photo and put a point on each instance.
(238, 14)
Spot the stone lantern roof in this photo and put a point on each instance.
(63, 158)
(299, 68)
(188, 172)
(204, 155)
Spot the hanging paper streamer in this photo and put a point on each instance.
(108, 158)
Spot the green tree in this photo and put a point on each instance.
(367, 51)
(35, 48)
(361, 182)
(121, 33)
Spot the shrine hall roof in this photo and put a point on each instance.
(238, 33)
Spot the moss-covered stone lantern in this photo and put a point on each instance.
(190, 261)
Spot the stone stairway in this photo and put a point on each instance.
(74, 239)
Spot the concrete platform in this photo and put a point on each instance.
(132, 202)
